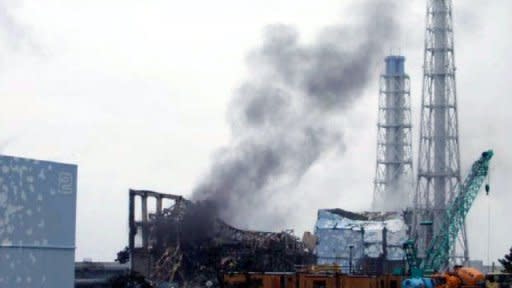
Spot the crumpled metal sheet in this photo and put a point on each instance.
(329, 241)
(373, 232)
(337, 233)
(373, 250)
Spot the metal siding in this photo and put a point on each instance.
(37, 223)
(336, 233)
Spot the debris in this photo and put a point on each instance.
(191, 247)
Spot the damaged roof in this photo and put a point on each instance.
(364, 216)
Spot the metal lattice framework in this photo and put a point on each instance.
(453, 221)
(439, 157)
(438, 252)
(393, 176)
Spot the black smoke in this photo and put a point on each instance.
(283, 117)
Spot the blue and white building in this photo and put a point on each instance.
(37, 223)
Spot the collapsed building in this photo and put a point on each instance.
(186, 243)
(365, 243)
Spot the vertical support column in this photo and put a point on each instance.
(159, 205)
(132, 228)
(384, 267)
(145, 231)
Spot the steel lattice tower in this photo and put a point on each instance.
(439, 157)
(393, 176)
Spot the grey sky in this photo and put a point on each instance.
(137, 94)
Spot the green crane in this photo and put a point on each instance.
(438, 252)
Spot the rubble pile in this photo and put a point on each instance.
(194, 247)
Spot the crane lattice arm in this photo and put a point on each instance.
(438, 253)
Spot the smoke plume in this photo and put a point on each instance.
(282, 117)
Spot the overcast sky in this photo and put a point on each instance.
(136, 94)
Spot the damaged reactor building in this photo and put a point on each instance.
(366, 243)
(186, 243)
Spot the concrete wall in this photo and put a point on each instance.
(37, 223)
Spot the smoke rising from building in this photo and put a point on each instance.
(282, 117)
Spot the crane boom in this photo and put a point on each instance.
(438, 252)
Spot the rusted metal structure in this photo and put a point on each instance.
(141, 256)
(186, 243)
